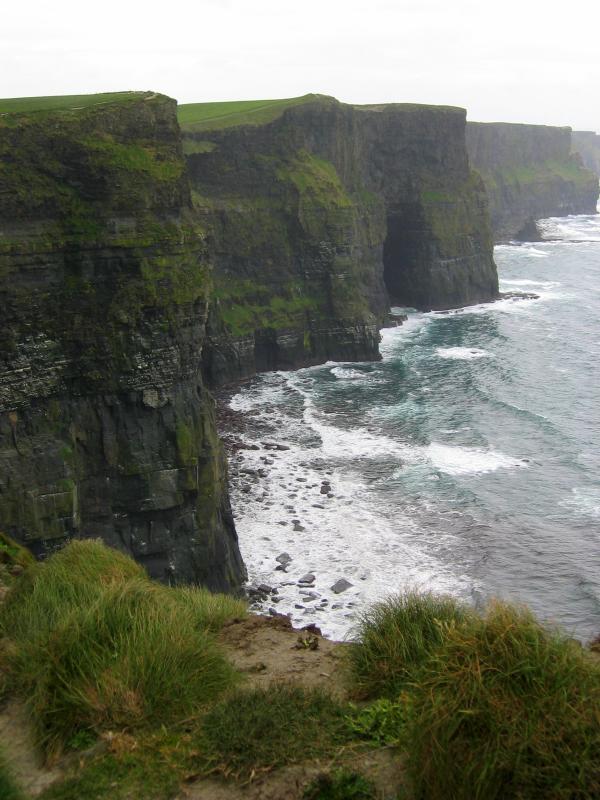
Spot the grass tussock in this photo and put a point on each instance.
(506, 708)
(211, 611)
(396, 637)
(261, 729)
(92, 643)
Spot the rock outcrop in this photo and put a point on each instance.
(529, 173)
(106, 427)
(321, 214)
(587, 144)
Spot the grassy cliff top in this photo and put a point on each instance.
(408, 107)
(211, 116)
(71, 102)
(228, 114)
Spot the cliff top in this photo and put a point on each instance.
(519, 126)
(230, 113)
(72, 102)
(210, 116)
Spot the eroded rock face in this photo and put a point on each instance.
(529, 173)
(322, 217)
(587, 144)
(106, 428)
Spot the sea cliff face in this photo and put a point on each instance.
(587, 144)
(322, 216)
(106, 428)
(529, 173)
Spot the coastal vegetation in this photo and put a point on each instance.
(132, 675)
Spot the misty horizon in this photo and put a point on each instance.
(543, 70)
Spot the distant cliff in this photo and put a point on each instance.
(321, 214)
(587, 144)
(106, 429)
(529, 173)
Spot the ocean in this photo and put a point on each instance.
(466, 461)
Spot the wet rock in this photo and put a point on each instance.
(325, 488)
(280, 568)
(284, 558)
(298, 527)
(341, 585)
(317, 505)
(245, 488)
(307, 580)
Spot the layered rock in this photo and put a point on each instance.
(529, 173)
(106, 427)
(323, 213)
(587, 144)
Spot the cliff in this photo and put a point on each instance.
(587, 144)
(320, 215)
(106, 428)
(529, 173)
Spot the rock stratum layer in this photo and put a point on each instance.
(323, 215)
(106, 428)
(587, 144)
(529, 173)
(131, 276)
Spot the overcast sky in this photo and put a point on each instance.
(514, 60)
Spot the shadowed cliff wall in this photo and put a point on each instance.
(529, 173)
(587, 144)
(106, 428)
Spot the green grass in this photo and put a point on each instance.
(490, 706)
(92, 643)
(261, 729)
(8, 787)
(12, 554)
(504, 710)
(228, 114)
(74, 102)
(396, 637)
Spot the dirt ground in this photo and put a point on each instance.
(268, 650)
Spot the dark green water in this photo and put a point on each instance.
(467, 460)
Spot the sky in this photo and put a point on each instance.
(530, 61)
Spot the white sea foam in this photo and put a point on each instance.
(466, 460)
(585, 502)
(462, 353)
(580, 228)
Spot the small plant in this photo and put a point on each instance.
(340, 785)
(81, 739)
(381, 722)
(396, 637)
